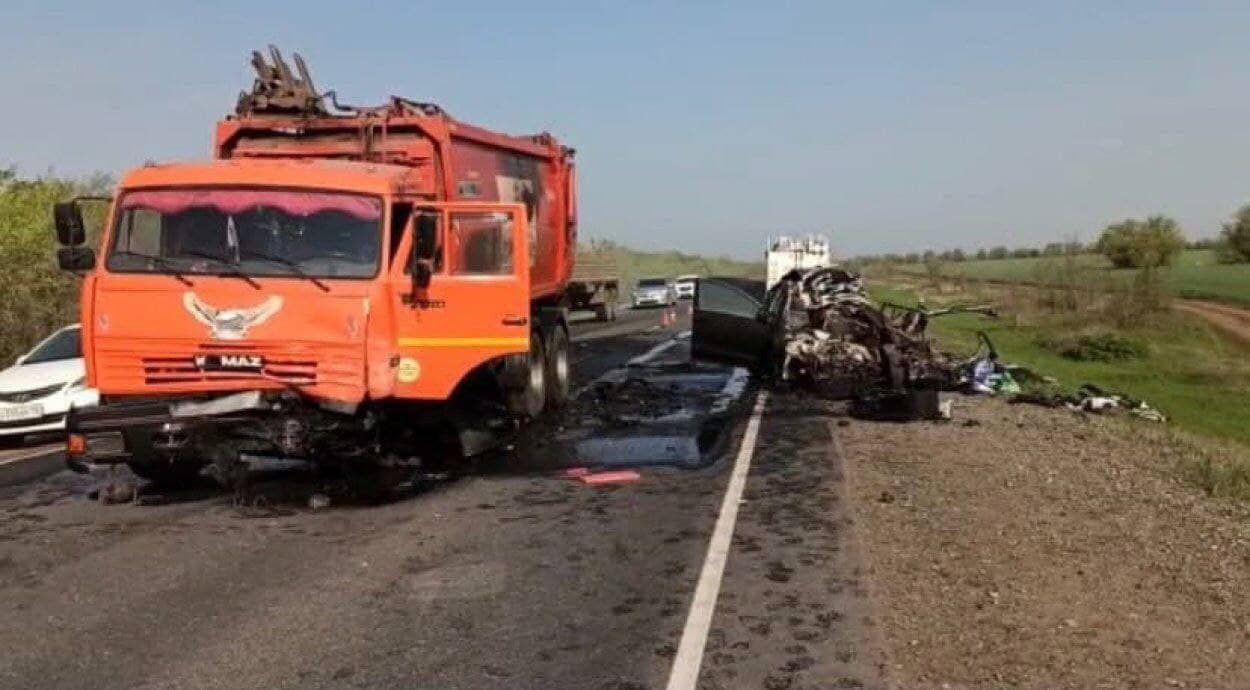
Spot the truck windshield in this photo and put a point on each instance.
(242, 230)
(652, 282)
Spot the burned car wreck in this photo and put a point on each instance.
(818, 330)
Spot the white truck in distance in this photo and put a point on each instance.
(785, 254)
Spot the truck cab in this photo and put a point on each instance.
(225, 289)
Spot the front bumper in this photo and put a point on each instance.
(255, 422)
(650, 300)
(41, 425)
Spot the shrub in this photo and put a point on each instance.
(1154, 242)
(1096, 346)
(1234, 242)
(37, 296)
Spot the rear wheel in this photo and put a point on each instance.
(12, 441)
(603, 312)
(529, 399)
(558, 372)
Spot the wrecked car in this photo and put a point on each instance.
(818, 329)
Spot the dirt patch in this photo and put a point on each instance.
(1042, 548)
(1232, 320)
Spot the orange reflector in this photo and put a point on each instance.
(76, 444)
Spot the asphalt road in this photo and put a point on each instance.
(511, 577)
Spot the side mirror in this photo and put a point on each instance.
(421, 273)
(424, 248)
(70, 231)
(76, 259)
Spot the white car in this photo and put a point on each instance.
(39, 389)
(654, 292)
(685, 286)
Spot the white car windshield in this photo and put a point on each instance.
(64, 345)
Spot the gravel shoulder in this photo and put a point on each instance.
(1024, 547)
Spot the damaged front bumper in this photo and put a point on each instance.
(281, 423)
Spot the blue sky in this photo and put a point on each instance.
(707, 126)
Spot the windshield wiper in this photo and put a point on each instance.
(160, 261)
(231, 269)
(295, 267)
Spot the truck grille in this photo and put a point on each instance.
(160, 370)
(132, 366)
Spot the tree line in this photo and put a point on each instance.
(37, 297)
(1132, 243)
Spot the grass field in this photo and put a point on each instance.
(1193, 373)
(1196, 274)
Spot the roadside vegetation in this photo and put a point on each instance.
(1195, 273)
(37, 297)
(1127, 341)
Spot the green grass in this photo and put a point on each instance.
(1197, 376)
(1196, 273)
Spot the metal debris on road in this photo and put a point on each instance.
(615, 477)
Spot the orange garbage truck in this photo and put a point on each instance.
(340, 284)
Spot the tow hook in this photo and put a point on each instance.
(292, 439)
(171, 436)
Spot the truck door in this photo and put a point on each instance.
(461, 291)
(728, 324)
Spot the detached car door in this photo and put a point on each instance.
(729, 323)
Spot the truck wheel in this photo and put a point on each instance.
(144, 463)
(602, 312)
(558, 373)
(528, 400)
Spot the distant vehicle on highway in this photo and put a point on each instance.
(37, 391)
(685, 286)
(655, 292)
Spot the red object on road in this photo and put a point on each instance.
(618, 477)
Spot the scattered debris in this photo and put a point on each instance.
(833, 340)
(318, 501)
(1091, 398)
(616, 477)
(117, 491)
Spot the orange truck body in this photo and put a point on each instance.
(139, 333)
(351, 342)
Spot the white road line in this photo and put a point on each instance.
(685, 673)
(656, 351)
(34, 453)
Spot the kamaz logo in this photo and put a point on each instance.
(231, 362)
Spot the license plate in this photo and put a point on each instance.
(253, 363)
(18, 413)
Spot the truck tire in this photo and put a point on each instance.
(559, 375)
(602, 312)
(528, 400)
(164, 473)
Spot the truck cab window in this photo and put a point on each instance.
(479, 244)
